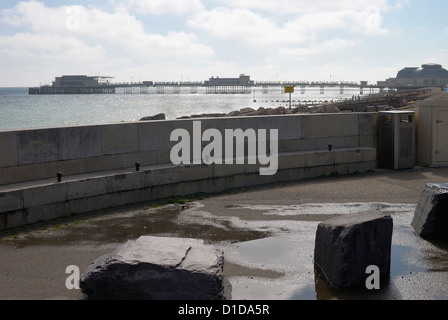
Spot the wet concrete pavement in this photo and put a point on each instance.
(267, 235)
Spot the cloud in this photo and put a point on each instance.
(163, 7)
(51, 47)
(61, 31)
(312, 19)
(305, 6)
(242, 25)
(371, 19)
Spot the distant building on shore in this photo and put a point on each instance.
(242, 81)
(429, 75)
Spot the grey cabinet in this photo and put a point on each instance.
(396, 140)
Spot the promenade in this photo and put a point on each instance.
(267, 234)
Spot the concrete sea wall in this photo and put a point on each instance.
(98, 162)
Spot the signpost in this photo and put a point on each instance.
(289, 90)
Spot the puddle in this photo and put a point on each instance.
(326, 208)
(121, 227)
(283, 256)
(299, 279)
(275, 253)
(400, 257)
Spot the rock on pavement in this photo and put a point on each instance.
(346, 245)
(431, 214)
(152, 268)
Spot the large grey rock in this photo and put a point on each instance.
(160, 116)
(431, 215)
(245, 111)
(153, 268)
(346, 245)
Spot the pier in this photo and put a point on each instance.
(193, 88)
(241, 85)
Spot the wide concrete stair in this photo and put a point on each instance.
(99, 172)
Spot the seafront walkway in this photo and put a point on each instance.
(266, 232)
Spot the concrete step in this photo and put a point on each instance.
(41, 200)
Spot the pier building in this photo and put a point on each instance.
(76, 84)
(243, 84)
(80, 81)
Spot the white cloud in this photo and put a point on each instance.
(242, 25)
(305, 6)
(161, 7)
(371, 21)
(50, 47)
(247, 25)
(78, 28)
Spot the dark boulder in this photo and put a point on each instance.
(431, 214)
(346, 245)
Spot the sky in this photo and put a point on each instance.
(193, 40)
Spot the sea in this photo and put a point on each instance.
(19, 110)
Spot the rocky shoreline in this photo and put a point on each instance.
(370, 103)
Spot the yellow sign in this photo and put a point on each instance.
(289, 89)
